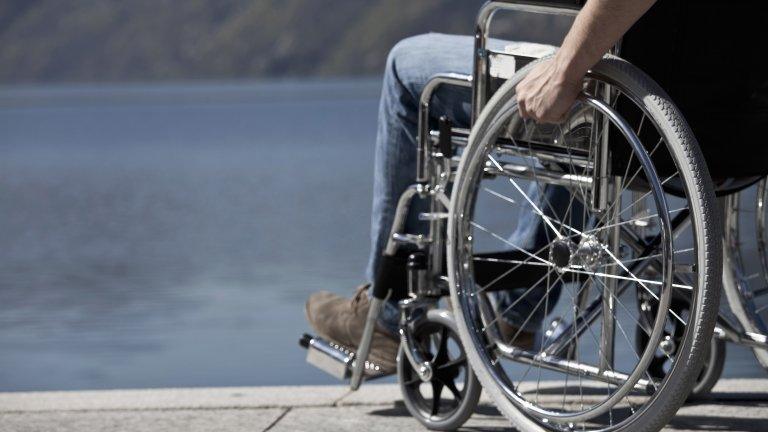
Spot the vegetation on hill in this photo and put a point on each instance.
(120, 40)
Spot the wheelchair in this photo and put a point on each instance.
(623, 298)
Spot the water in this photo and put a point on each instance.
(159, 236)
(168, 235)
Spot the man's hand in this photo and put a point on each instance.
(545, 94)
(548, 92)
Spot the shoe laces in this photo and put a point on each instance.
(360, 293)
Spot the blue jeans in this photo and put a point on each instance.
(411, 63)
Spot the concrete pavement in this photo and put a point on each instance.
(736, 405)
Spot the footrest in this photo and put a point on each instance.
(334, 359)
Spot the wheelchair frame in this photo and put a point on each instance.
(435, 165)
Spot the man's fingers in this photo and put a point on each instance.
(522, 109)
(554, 117)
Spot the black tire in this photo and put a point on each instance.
(455, 415)
(711, 372)
(676, 386)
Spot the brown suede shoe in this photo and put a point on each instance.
(341, 320)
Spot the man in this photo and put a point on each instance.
(693, 48)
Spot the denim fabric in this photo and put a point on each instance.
(411, 63)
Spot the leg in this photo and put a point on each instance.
(410, 64)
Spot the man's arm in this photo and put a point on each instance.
(551, 88)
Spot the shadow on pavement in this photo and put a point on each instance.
(682, 420)
(708, 423)
(399, 410)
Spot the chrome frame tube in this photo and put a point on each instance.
(434, 83)
(727, 330)
(542, 175)
(570, 367)
(461, 138)
(401, 213)
(364, 348)
(413, 353)
(608, 334)
(419, 364)
(435, 175)
(480, 90)
(600, 175)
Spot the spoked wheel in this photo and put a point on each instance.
(449, 398)
(746, 261)
(714, 360)
(553, 232)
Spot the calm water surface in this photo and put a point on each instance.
(168, 235)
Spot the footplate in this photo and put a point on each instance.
(334, 359)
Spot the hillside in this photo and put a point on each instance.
(129, 40)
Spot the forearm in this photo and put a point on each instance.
(547, 93)
(599, 25)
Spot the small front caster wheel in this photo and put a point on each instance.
(449, 398)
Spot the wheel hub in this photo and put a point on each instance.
(560, 253)
(590, 253)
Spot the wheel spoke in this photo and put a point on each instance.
(630, 261)
(630, 221)
(452, 388)
(531, 203)
(453, 364)
(518, 300)
(507, 272)
(627, 182)
(503, 240)
(441, 346)
(626, 278)
(413, 381)
(437, 390)
(509, 261)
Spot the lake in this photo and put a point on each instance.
(167, 235)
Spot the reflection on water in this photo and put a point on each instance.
(157, 236)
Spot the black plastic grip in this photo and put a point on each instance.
(392, 276)
(444, 141)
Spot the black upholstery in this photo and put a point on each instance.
(707, 55)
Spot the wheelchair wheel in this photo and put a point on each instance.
(746, 261)
(554, 230)
(446, 401)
